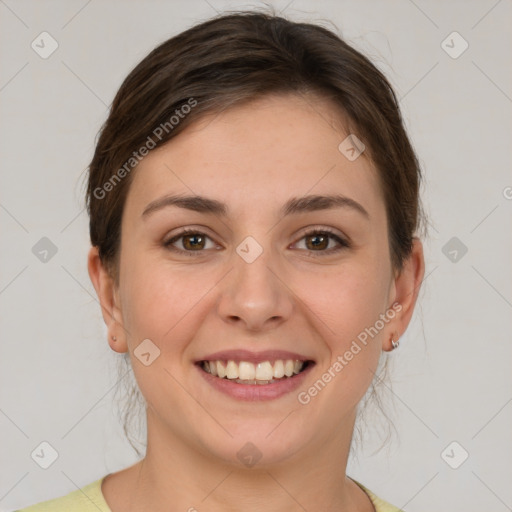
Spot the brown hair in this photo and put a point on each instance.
(232, 59)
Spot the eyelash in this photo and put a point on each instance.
(343, 244)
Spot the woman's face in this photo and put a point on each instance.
(253, 276)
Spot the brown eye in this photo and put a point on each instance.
(317, 241)
(194, 242)
(190, 241)
(322, 242)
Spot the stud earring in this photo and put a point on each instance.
(114, 338)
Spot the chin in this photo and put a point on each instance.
(256, 446)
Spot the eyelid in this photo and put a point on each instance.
(318, 228)
(195, 229)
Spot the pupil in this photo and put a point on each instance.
(318, 241)
(197, 241)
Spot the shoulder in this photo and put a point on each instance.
(88, 498)
(379, 504)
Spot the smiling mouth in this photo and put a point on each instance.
(244, 372)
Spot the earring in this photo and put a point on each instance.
(114, 338)
(394, 343)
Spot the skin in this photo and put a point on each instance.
(253, 158)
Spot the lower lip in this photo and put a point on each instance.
(256, 392)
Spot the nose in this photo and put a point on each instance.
(254, 295)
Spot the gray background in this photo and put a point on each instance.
(452, 374)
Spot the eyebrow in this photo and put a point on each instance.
(295, 205)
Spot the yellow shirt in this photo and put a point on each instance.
(90, 499)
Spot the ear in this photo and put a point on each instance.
(108, 297)
(404, 291)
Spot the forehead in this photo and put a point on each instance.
(258, 153)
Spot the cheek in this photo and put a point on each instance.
(164, 307)
(346, 300)
(158, 301)
(347, 303)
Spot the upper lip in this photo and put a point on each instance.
(254, 357)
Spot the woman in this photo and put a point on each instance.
(254, 208)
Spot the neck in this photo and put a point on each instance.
(176, 474)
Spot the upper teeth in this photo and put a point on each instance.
(244, 370)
